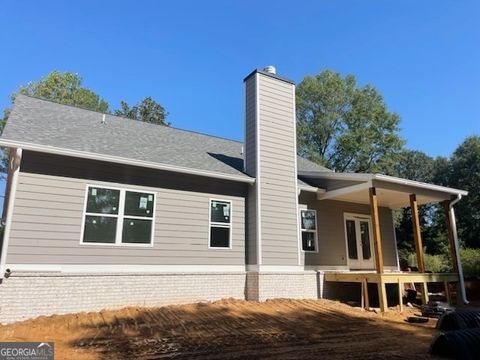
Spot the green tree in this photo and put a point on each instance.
(418, 166)
(65, 88)
(62, 87)
(462, 171)
(147, 110)
(346, 127)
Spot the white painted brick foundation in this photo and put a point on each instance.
(295, 285)
(27, 295)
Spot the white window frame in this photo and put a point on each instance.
(120, 216)
(218, 224)
(302, 230)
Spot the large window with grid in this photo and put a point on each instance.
(118, 217)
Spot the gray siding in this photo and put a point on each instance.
(48, 214)
(331, 232)
(251, 229)
(251, 167)
(278, 190)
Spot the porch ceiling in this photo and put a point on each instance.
(391, 192)
(388, 198)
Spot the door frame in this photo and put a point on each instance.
(358, 216)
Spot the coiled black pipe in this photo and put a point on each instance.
(458, 320)
(459, 344)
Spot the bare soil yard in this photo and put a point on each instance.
(231, 329)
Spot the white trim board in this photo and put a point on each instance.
(87, 268)
(258, 218)
(15, 162)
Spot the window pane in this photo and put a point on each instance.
(352, 240)
(100, 229)
(219, 237)
(308, 241)
(365, 235)
(220, 211)
(102, 201)
(308, 220)
(139, 204)
(136, 231)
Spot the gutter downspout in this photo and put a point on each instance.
(457, 248)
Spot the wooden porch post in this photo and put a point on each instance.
(417, 234)
(451, 241)
(377, 241)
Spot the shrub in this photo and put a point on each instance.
(470, 262)
(433, 263)
(442, 263)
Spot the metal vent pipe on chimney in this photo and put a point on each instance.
(270, 69)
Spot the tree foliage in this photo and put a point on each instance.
(147, 110)
(66, 88)
(418, 166)
(462, 171)
(345, 127)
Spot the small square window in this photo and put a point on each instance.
(136, 231)
(100, 229)
(139, 204)
(103, 201)
(308, 241)
(219, 237)
(220, 212)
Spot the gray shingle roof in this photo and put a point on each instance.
(46, 123)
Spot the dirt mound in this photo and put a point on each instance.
(230, 329)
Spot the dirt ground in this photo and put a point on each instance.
(231, 329)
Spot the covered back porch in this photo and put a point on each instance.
(380, 191)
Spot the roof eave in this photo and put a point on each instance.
(124, 161)
(381, 177)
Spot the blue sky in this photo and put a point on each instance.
(191, 56)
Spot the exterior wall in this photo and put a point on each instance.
(251, 227)
(48, 211)
(28, 295)
(271, 158)
(251, 168)
(332, 248)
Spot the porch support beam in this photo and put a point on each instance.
(377, 239)
(417, 234)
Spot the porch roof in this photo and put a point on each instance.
(393, 192)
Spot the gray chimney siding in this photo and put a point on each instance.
(271, 158)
